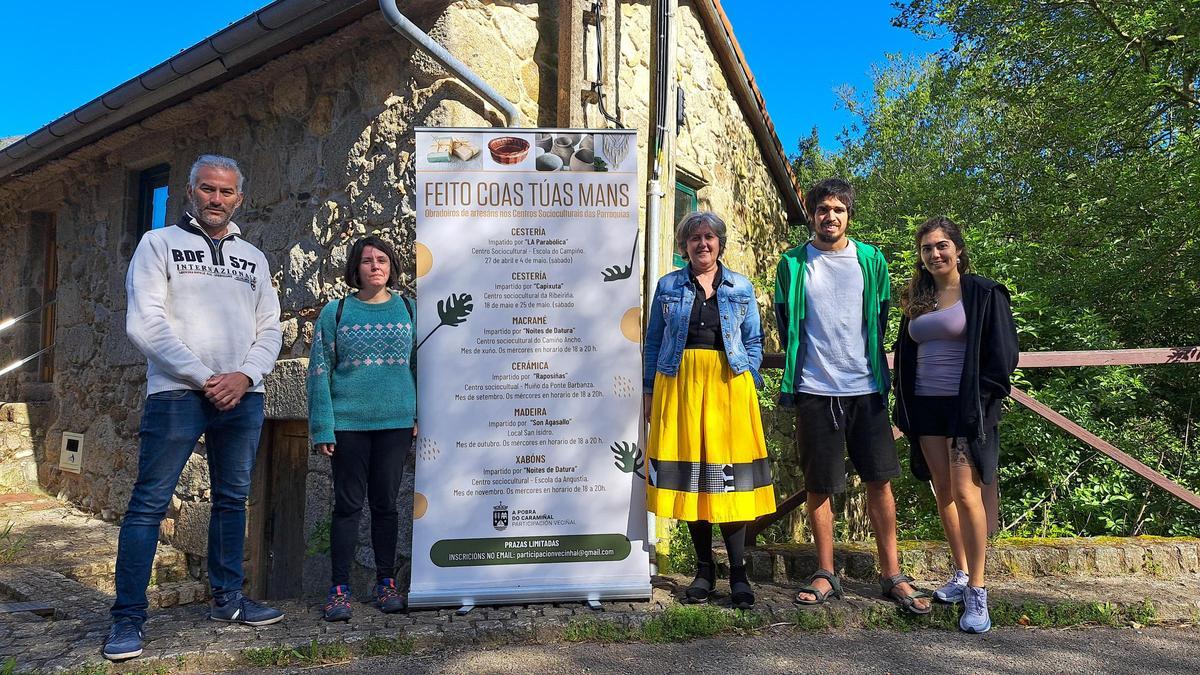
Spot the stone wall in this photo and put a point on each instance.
(19, 435)
(716, 144)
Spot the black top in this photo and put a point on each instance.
(704, 328)
(991, 358)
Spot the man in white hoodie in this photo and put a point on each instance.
(202, 309)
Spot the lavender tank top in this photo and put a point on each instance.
(941, 338)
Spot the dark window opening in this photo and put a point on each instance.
(152, 198)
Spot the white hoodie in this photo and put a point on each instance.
(198, 307)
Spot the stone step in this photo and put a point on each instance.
(1156, 557)
(178, 593)
(55, 536)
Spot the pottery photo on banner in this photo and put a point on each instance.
(564, 147)
(548, 161)
(583, 160)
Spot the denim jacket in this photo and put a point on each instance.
(671, 310)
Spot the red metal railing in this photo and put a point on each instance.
(1111, 357)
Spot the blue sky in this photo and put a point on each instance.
(64, 54)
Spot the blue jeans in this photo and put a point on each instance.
(171, 424)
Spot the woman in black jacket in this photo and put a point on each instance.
(956, 351)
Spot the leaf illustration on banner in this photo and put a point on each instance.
(618, 272)
(629, 457)
(452, 311)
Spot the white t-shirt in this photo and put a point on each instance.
(835, 360)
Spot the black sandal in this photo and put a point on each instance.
(835, 589)
(741, 595)
(908, 603)
(697, 593)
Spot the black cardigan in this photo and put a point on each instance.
(989, 362)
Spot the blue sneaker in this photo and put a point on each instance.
(124, 640)
(952, 592)
(387, 597)
(338, 607)
(237, 608)
(975, 618)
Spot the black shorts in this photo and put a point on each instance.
(829, 427)
(934, 416)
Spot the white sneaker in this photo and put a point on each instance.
(975, 618)
(952, 592)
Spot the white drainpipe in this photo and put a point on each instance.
(448, 61)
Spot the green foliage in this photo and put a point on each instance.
(319, 543)
(1066, 141)
(682, 556)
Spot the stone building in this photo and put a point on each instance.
(317, 99)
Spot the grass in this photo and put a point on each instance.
(1072, 614)
(1006, 614)
(382, 646)
(815, 619)
(317, 653)
(314, 653)
(676, 624)
(1153, 567)
(11, 544)
(93, 669)
(9, 667)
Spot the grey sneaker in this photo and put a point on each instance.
(952, 592)
(975, 618)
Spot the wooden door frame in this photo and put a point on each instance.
(46, 223)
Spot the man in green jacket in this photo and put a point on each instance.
(831, 301)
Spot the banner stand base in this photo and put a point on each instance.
(466, 600)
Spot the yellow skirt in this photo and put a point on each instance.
(707, 456)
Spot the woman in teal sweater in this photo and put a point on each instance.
(362, 414)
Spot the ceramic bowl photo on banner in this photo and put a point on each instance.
(508, 149)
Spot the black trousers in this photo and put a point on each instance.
(366, 464)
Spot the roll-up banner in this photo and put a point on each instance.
(529, 475)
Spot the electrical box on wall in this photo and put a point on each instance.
(70, 458)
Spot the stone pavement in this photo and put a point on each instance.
(182, 639)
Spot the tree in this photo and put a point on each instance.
(1064, 135)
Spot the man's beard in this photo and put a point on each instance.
(207, 219)
(829, 238)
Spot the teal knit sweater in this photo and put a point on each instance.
(371, 386)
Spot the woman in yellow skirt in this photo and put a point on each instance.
(708, 459)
